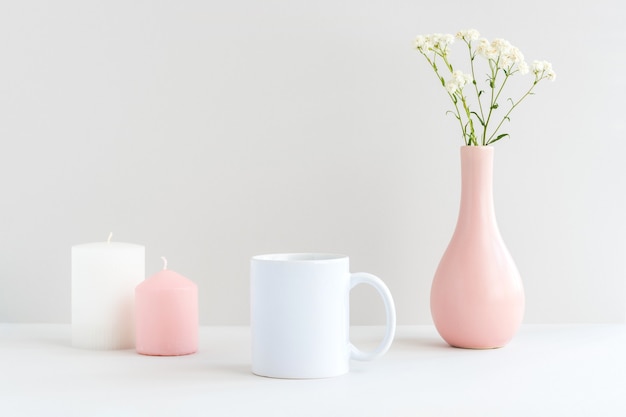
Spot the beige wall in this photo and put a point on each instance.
(213, 131)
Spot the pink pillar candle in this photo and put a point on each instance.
(166, 315)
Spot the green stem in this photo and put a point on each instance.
(454, 102)
(480, 104)
(458, 113)
(507, 75)
(493, 65)
(506, 116)
(472, 136)
(445, 59)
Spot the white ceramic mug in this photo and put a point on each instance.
(300, 315)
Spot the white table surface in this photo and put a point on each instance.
(547, 370)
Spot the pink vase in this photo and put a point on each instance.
(477, 297)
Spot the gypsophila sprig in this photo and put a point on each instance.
(503, 61)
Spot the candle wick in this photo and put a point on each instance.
(110, 236)
(164, 263)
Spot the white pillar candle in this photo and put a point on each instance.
(104, 277)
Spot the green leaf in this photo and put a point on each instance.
(454, 114)
(479, 119)
(495, 106)
(503, 135)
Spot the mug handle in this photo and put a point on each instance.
(390, 310)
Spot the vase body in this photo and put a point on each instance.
(477, 297)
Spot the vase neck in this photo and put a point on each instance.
(477, 184)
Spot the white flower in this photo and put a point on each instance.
(485, 49)
(468, 35)
(424, 43)
(461, 78)
(500, 44)
(503, 61)
(458, 81)
(420, 42)
(429, 42)
(523, 67)
(538, 67)
(543, 68)
(451, 86)
(447, 39)
(510, 56)
(502, 52)
(442, 41)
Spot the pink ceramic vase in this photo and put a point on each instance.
(477, 297)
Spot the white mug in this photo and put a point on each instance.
(300, 322)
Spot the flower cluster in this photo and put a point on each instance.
(436, 41)
(543, 69)
(458, 81)
(505, 55)
(503, 61)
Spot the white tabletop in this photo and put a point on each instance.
(548, 370)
